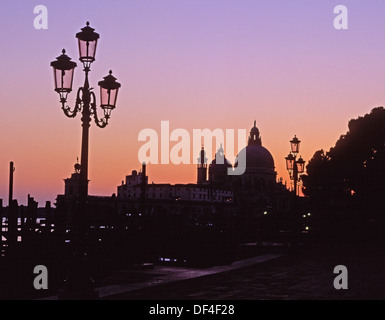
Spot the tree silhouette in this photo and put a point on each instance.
(354, 170)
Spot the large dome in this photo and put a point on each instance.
(258, 157)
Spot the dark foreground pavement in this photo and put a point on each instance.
(309, 275)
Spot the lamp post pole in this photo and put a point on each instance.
(83, 179)
(79, 284)
(295, 178)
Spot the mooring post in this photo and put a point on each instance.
(11, 171)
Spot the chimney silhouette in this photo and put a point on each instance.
(202, 167)
(144, 181)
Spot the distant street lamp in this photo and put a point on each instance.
(295, 167)
(79, 284)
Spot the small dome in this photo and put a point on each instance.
(225, 163)
(219, 167)
(221, 159)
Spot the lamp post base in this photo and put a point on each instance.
(79, 285)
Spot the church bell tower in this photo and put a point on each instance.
(202, 167)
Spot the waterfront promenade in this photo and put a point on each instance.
(308, 276)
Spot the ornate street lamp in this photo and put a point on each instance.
(108, 94)
(79, 284)
(87, 40)
(300, 165)
(63, 73)
(294, 166)
(290, 162)
(295, 142)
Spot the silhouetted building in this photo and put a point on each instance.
(257, 190)
(72, 184)
(135, 179)
(132, 190)
(253, 193)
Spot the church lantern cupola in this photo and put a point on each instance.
(255, 137)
